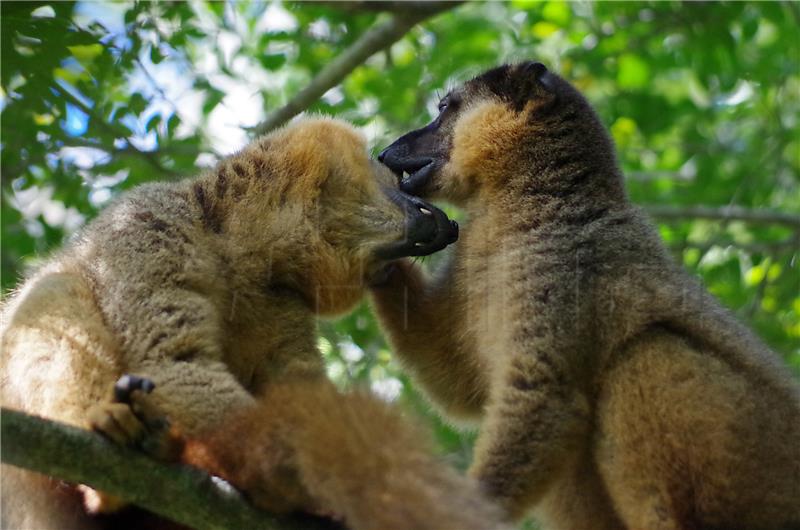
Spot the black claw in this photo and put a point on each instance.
(128, 383)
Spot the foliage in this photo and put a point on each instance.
(703, 100)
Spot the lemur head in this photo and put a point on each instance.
(517, 122)
(352, 216)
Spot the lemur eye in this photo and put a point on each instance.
(443, 105)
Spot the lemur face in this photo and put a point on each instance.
(347, 211)
(480, 125)
(426, 229)
(363, 211)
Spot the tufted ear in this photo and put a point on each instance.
(533, 83)
(534, 68)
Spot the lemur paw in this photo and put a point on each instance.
(130, 419)
(133, 420)
(117, 422)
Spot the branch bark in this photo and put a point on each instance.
(177, 492)
(373, 40)
(724, 213)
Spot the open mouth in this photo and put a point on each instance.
(413, 175)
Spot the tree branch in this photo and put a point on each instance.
(724, 213)
(392, 6)
(177, 492)
(373, 40)
(789, 244)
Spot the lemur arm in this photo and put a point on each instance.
(530, 432)
(196, 389)
(163, 299)
(538, 415)
(424, 320)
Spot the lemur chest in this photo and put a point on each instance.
(486, 273)
(261, 338)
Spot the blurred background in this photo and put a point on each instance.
(702, 99)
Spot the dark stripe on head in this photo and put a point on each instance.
(222, 182)
(240, 170)
(153, 222)
(210, 217)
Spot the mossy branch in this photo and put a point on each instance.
(177, 492)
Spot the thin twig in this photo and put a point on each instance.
(373, 40)
(724, 213)
(790, 244)
(154, 83)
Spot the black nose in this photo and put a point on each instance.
(382, 155)
(427, 228)
(421, 228)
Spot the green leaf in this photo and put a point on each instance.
(272, 62)
(213, 97)
(153, 122)
(557, 12)
(633, 72)
(137, 104)
(155, 54)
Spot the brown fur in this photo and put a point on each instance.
(613, 391)
(210, 288)
(308, 461)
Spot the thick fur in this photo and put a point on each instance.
(210, 288)
(613, 391)
(379, 474)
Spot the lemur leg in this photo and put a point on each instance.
(195, 396)
(535, 425)
(579, 499)
(57, 356)
(309, 446)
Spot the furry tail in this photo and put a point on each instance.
(308, 446)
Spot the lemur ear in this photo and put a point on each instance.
(533, 68)
(538, 74)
